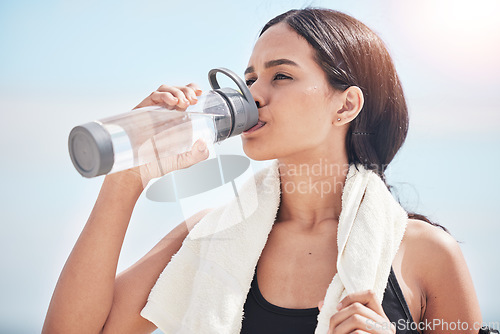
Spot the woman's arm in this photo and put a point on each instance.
(451, 304)
(83, 295)
(133, 285)
(87, 294)
(88, 298)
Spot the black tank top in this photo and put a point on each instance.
(262, 317)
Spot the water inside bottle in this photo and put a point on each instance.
(142, 137)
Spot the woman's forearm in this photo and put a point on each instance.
(84, 293)
(83, 296)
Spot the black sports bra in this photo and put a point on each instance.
(262, 317)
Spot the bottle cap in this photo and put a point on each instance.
(244, 110)
(91, 149)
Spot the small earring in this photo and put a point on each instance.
(338, 119)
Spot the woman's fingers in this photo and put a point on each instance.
(192, 90)
(173, 97)
(198, 152)
(355, 322)
(359, 313)
(196, 88)
(177, 93)
(164, 98)
(190, 94)
(366, 298)
(164, 165)
(354, 316)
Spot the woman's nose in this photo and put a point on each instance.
(257, 96)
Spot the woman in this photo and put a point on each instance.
(327, 90)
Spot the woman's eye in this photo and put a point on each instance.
(249, 82)
(280, 76)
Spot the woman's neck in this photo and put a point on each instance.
(311, 192)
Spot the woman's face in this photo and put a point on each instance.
(294, 99)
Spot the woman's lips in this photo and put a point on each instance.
(256, 127)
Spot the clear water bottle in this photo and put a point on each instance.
(147, 134)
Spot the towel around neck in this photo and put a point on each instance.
(204, 287)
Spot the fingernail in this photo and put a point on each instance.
(202, 147)
(339, 306)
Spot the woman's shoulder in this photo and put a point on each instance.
(439, 267)
(426, 238)
(431, 249)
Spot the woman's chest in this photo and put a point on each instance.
(295, 271)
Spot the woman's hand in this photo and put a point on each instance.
(360, 313)
(173, 98)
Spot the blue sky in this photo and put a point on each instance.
(63, 63)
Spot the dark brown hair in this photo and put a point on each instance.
(351, 54)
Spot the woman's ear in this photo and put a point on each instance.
(352, 102)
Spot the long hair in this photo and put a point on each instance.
(351, 54)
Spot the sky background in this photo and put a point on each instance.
(64, 63)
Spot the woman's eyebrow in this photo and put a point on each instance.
(272, 63)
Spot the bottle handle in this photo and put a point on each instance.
(233, 76)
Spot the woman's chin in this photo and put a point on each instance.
(257, 154)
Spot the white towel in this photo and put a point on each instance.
(204, 287)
